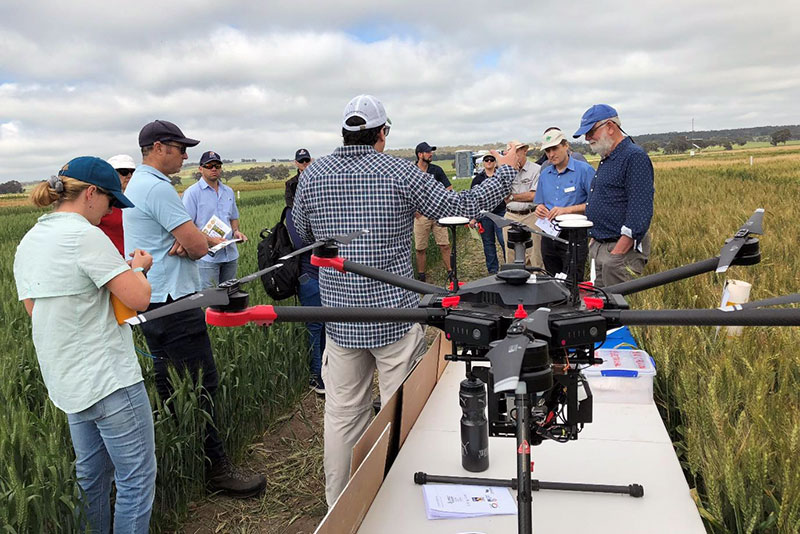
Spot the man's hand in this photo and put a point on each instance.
(177, 250)
(541, 211)
(510, 158)
(624, 244)
(239, 235)
(556, 211)
(214, 241)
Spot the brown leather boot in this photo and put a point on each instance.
(223, 477)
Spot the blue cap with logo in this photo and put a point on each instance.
(301, 154)
(594, 114)
(209, 156)
(97, 172)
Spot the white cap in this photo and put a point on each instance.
(122, 161)
(552, 138)
(368, 108)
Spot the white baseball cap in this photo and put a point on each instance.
(552, 138)
(122, 161)
(368, 108)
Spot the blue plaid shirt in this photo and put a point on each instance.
(357, 188)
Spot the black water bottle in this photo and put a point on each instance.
(474, 427)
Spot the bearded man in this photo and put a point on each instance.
(620, 202)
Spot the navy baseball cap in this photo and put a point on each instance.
(159, 130)
(424, 147)
(209, 156)
(97, 172)
(301, 153)
(593, 115)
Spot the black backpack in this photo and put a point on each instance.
(275, 242)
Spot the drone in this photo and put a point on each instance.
(536, 330)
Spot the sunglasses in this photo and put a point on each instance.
(182, 148)
(304, 160)
(212, 166)
(125, 172)
(596, 127)
(485, 160)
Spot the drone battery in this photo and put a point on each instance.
(472, 329)
(576, 329)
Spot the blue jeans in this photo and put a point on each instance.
(309, 296)
(211, 274)
(114, 440)
(490, 231)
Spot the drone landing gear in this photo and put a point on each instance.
(523, 483)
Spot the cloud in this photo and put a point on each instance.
(260, 79)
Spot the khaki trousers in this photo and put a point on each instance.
(347, 374)
(533, 255)
(617, 268)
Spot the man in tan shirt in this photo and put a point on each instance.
(519, 204)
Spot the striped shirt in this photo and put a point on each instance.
(357, 188)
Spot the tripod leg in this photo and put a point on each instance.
(634, 490)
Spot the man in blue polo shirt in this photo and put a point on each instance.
(208, 198)
(620, 203)
(160, 225)
(563, 188)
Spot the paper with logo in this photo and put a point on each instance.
(446, 501)
(547, 227)
(216, 227)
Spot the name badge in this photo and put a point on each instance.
(569, 189)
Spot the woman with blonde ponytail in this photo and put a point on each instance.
(66, 270)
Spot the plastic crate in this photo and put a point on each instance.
(624, 376)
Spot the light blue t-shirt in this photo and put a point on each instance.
(201, 201)
(158, 212)
(63, 264)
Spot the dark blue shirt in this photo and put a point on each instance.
(500, 209)
(621, 198)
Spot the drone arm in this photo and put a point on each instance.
(266, 315)
(757, 317)
(392, 279)
(665, 277)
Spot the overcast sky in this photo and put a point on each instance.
(260, 79)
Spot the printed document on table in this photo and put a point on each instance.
(444, 501)
(546, 226)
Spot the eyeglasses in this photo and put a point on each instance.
(125, 172)
(182, 148)
(304, 160)
(212, 166)
(386, 128)
(594, 129)
(488, 160)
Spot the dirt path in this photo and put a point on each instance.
(290, 455)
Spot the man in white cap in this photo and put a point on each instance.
(563, 188)
(358, 187)
(519, 204)
(111, 224)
